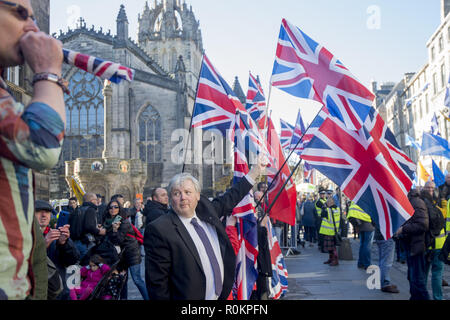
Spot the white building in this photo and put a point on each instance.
(409, 112)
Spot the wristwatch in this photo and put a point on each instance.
(47, 76)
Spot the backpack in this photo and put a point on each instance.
(76, 221)
(436, 222)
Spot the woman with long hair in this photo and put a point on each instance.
(120, 232)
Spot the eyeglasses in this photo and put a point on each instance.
(21, 10)
(113, 207)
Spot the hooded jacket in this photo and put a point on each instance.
(413, 233)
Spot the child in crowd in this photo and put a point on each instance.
(91, 276)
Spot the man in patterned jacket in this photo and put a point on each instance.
(30, 139)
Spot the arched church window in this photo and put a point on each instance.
(150, 135)
(85, 117)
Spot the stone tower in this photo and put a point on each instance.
(168, 30)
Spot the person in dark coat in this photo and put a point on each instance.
(120, 232)
(60, 248)
(444, 190)
(188, 254)
(90, 230)
(156, 207)
(412, 233)
(309, 221)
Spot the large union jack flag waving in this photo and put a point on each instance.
(306, 69)
(256, 102)
(368, 165)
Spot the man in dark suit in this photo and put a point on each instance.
(188, 255)
(156, 207)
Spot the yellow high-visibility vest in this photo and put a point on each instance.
(327, 226)
(354, 211)
(439, 240)
(319, 210)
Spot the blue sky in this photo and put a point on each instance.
(378, 40)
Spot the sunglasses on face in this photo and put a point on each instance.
(113, 207)
(21, 11)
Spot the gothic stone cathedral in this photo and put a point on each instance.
(118, 137)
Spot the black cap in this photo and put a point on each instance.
(42, 205)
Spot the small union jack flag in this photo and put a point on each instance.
(108, 70)
(306, 69)
(286, 134)
(215, 104)
(298, 141)
(246, 269)
(278, 284)
(256, 102)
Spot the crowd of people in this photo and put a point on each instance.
(420, 241)
(187, 234)
(188, 242)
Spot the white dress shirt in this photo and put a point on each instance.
(206, 264)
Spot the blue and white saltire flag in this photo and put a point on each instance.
(433, 145)
(306, 69)
(409, 141)
(438, 176)
(435, 126)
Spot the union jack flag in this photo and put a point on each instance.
(246, 269)
(368, 165)
(108, 70)
(296, 145)
(308, 173)
(256, 102)
(286, 134)
(278, 283)
(306, 69)
(216, 103)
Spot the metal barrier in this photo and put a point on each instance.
(288, 239)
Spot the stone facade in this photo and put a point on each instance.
(134, 122)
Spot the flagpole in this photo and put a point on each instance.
(192, 115)
(279, 192)
(286, 160)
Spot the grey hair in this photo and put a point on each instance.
(429, 183)
(180, 178)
